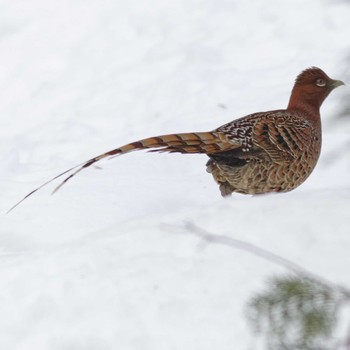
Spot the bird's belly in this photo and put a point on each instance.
(263, 178)
(261, 175)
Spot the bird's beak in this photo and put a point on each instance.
(336, 83)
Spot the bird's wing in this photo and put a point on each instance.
(283, 137)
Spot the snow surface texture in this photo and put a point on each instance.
(102, 264)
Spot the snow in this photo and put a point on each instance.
(106, 263)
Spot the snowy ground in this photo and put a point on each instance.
(103, 263)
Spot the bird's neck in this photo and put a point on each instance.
(303, 102)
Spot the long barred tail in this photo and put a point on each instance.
(201, 142)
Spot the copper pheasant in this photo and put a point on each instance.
(272, 151)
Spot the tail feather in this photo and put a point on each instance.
(201, 142)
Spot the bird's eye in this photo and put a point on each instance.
(320, 82)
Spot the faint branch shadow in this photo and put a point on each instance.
(266, 255)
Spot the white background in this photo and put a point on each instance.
(102, 264)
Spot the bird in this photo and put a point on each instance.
(273, 151)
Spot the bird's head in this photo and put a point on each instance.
(311, 88)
